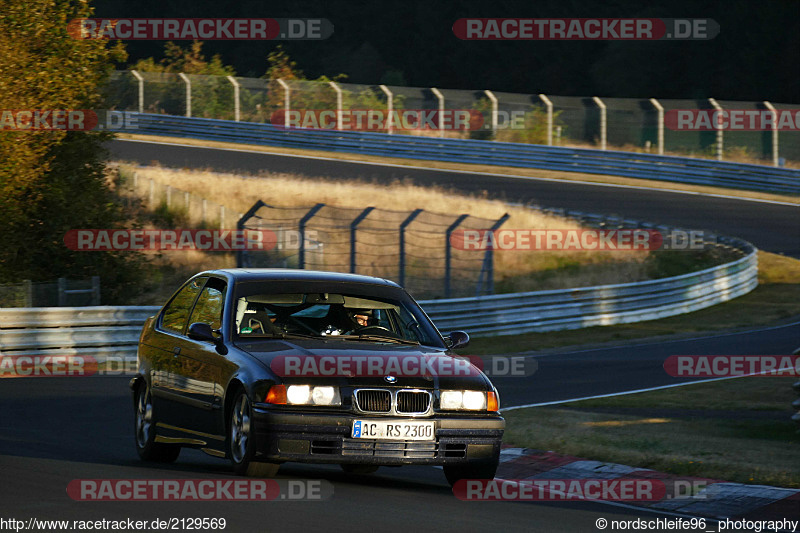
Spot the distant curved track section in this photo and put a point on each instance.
(771, 226)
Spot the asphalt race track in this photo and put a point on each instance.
(54, 430)
(771, 227)
(60, 429)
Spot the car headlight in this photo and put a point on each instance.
(469, 400)
(308, 395)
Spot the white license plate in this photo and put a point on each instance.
(392, 430)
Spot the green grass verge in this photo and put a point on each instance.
(736, 430)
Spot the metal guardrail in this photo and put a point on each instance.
(629, 164)
(105, 332)
(508, 314)
(102, 332)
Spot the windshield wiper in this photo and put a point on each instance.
(283, 336)
(372, 337)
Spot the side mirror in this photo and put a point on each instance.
(457, 339)
(200, 331)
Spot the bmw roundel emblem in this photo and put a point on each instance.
(390, 379)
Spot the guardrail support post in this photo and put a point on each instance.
(301, 253)
(188, 83)
(338, 104)
(62, 294)
(140, 81)
(389, 109)
(95, 290)
(402, 260)
(353, 225)
(603, 122)
(28, 292)
(488, 261)
(440, 97)
(660, 134)
(769, 106)
(287, 99)
(235, 97)
(448, 253)
(549, 106)
(493, 99)
(718, 108)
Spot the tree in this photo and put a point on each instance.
(54, 181)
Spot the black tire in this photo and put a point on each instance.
(241, 441)
(359, 469)
(144, 430)
(474, 470)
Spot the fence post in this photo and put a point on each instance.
(28, 292)
(235, 97)
(549, 106)
(402, 260)
(287, 98)
(241, 257)
(718, 108)
(488, 262)
(447, 253)
(222, 217)
(186, 202)
(660, 134)
(389, 109)
(440, 97)
(493, 99)
(188, 83)
(95, 290)
(152, 193)
(770, 107)
(140, 79)
(62, 295)
(603, 122)
(353, 225)
(205, 207)
(338, 104)
(169, 195)
(301, 255)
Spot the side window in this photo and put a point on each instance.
(208, 308)
(383, 318)
(176, 313)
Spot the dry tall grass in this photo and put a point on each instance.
(514, 270)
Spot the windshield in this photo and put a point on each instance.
(332, 316)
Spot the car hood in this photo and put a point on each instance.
(366, 364)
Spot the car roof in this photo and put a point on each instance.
(288, 274)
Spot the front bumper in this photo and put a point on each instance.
(316, 437)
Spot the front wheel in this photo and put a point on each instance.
(241, 444)
(145, 430)
(474, 470)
